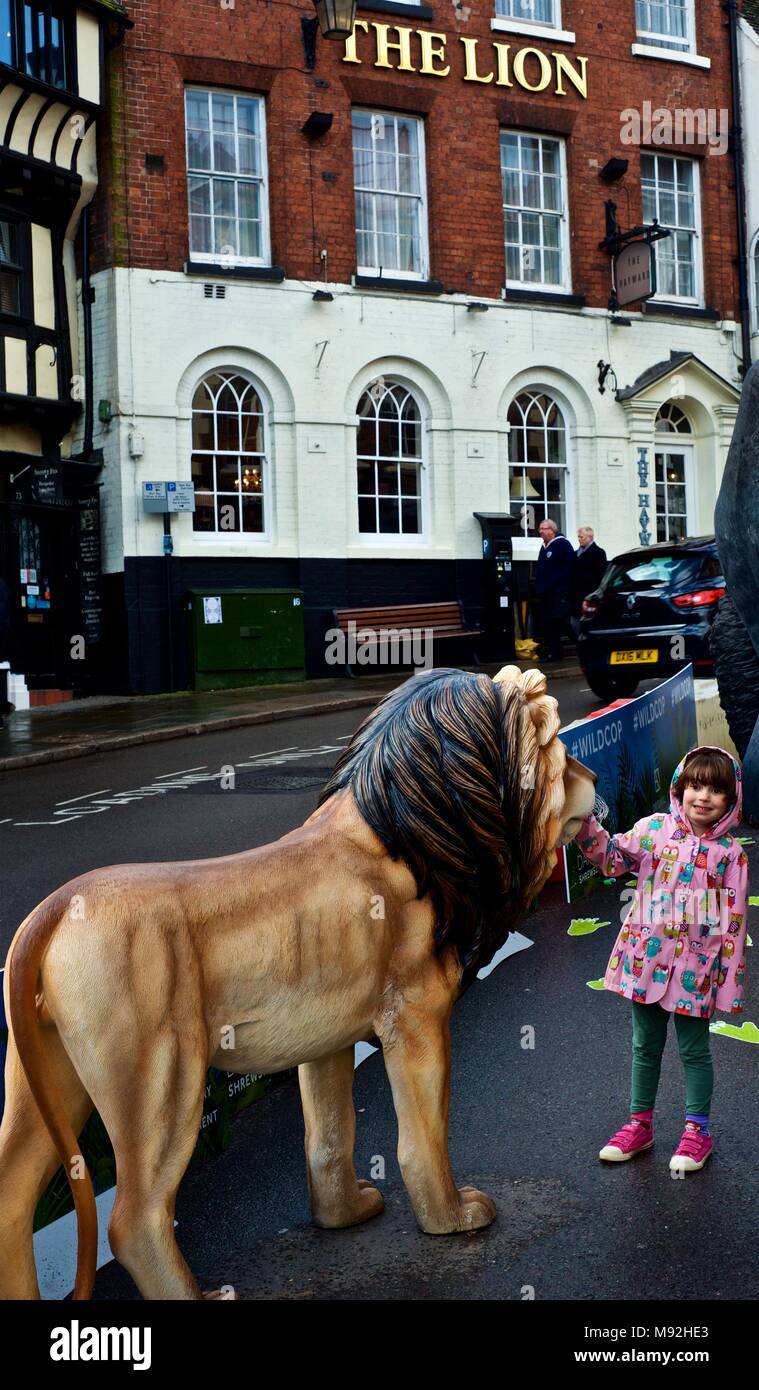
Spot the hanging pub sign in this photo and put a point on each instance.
(634, 273)
(40, 484)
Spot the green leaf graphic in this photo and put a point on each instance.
(748, 1032)
(753, 902)
(743, 840)
(585, 926)
(595, 984)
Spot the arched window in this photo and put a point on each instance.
(671, 419)
(537, 461)
(228, 454)
(673, 460)
(389, 461)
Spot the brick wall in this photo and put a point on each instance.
(141, 216)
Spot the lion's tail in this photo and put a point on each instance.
(23, 982)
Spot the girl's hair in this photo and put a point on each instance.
(710, 769)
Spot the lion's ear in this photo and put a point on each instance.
(531, 682)
(542, 709)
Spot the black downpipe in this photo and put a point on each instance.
(89, 376)
(740, 189)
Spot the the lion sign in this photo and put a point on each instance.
(123, 985)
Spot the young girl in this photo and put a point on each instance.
(682, 947)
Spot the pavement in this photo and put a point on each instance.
(95, 725)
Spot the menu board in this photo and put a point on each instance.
(90, 595)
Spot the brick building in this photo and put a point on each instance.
(354, 293)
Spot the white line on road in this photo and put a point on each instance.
(85, 797)
(274, 751)
(180, 773)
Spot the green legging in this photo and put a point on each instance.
(649, 1036)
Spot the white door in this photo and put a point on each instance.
(675, 500)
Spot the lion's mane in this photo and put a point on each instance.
(461, 776)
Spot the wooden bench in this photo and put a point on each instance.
(444, 621)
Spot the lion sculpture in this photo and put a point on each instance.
(445, 809)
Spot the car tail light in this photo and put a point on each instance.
(590, 606)
(700, 599)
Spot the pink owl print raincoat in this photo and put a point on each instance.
(683, 942)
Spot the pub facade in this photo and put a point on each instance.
(357, 292)
(52, 84)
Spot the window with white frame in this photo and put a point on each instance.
(391, 199)
(226, 177)
(666, 24)
(389, 461)
(228, 455)
(533, 177)
(671, 194)
(537, 462)
(530, 11)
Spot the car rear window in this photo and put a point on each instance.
(658, 571)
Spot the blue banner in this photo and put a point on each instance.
(634, 750)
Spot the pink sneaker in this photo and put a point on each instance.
(692, 1151)
(631, 1139)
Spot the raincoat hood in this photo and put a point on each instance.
(733, 813)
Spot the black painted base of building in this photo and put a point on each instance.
(146, 616)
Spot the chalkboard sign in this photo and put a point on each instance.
(46, 485)
(89, 566)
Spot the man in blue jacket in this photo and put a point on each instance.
(553, 583)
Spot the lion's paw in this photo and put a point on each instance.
(475, 1210)
(366, 1203)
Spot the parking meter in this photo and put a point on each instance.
(498, 583)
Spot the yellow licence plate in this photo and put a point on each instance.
(635, 658)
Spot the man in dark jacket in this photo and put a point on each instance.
(590, 567)
(553, 582)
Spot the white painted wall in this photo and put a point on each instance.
(156, 334)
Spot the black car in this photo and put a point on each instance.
(650, 616)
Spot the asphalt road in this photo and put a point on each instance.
(526, 1122)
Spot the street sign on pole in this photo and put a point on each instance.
(181, 497)
(168, 497)
(154, 497)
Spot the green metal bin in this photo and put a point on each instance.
(245, 637)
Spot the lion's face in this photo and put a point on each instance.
(579, 798)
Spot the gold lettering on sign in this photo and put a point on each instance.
(509, 67)
(350, 55)
(470, 49)
(502, 53)
(430, 52)
(402, 44)
(578, 79)
(545, 69)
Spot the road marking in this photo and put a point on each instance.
(162, 784)
(200, 768)
(291, 748)
(86, 797)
